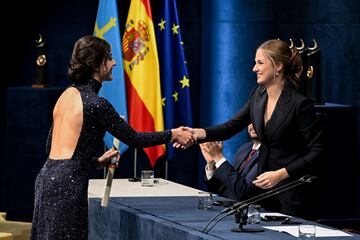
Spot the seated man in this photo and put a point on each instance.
(232, 181)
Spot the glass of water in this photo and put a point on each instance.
(205, 200)
(147, 178)
(253, 214)
(307, 232)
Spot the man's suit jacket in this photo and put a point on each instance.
(228, 182)
(291, 139)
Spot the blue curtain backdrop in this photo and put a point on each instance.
(231, 33)
(227, 60)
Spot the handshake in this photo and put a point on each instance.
(184, 137)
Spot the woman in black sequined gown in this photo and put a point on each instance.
(81, 118)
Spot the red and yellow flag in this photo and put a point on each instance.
(141, 65)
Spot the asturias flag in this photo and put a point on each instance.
(175, 82)
(141, 66)
(107, 27)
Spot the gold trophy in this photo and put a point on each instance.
(41, 64)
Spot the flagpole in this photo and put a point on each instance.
(135, 162)
(166, 169)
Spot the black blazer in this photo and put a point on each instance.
(228, 182)
(292, 138)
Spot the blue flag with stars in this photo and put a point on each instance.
(174, 77)
(107, 27)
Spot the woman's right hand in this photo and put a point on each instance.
(270, 179)
(182, 137)
(197, 134)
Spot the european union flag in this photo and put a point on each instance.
(174, 77)
(107, 27)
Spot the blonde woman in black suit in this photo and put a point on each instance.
(286, 124)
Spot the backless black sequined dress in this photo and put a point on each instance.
(61, 205)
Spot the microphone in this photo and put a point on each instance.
(237, 207)
(310, 179)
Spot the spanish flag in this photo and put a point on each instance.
(142, 78)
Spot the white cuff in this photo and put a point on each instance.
(209, 170)
(209, 173)
(221, 161)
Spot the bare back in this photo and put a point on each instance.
(68, 121)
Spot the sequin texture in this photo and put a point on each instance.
(61, 207)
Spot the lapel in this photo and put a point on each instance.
(258, 111)
(282, 108)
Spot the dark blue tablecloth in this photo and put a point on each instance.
(167, 218)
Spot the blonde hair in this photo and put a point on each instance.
(278, 51)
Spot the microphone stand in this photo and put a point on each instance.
(240, 208)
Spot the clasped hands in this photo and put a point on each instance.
(184, 137)
(212, 151)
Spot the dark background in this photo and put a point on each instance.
(220, 42)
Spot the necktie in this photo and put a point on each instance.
(251, 154)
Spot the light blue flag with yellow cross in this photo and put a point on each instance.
(107, 27)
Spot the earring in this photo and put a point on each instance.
(277, 74)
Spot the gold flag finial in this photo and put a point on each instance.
(40, 39)
(291, 44)
(302, 47)
(314, 47)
